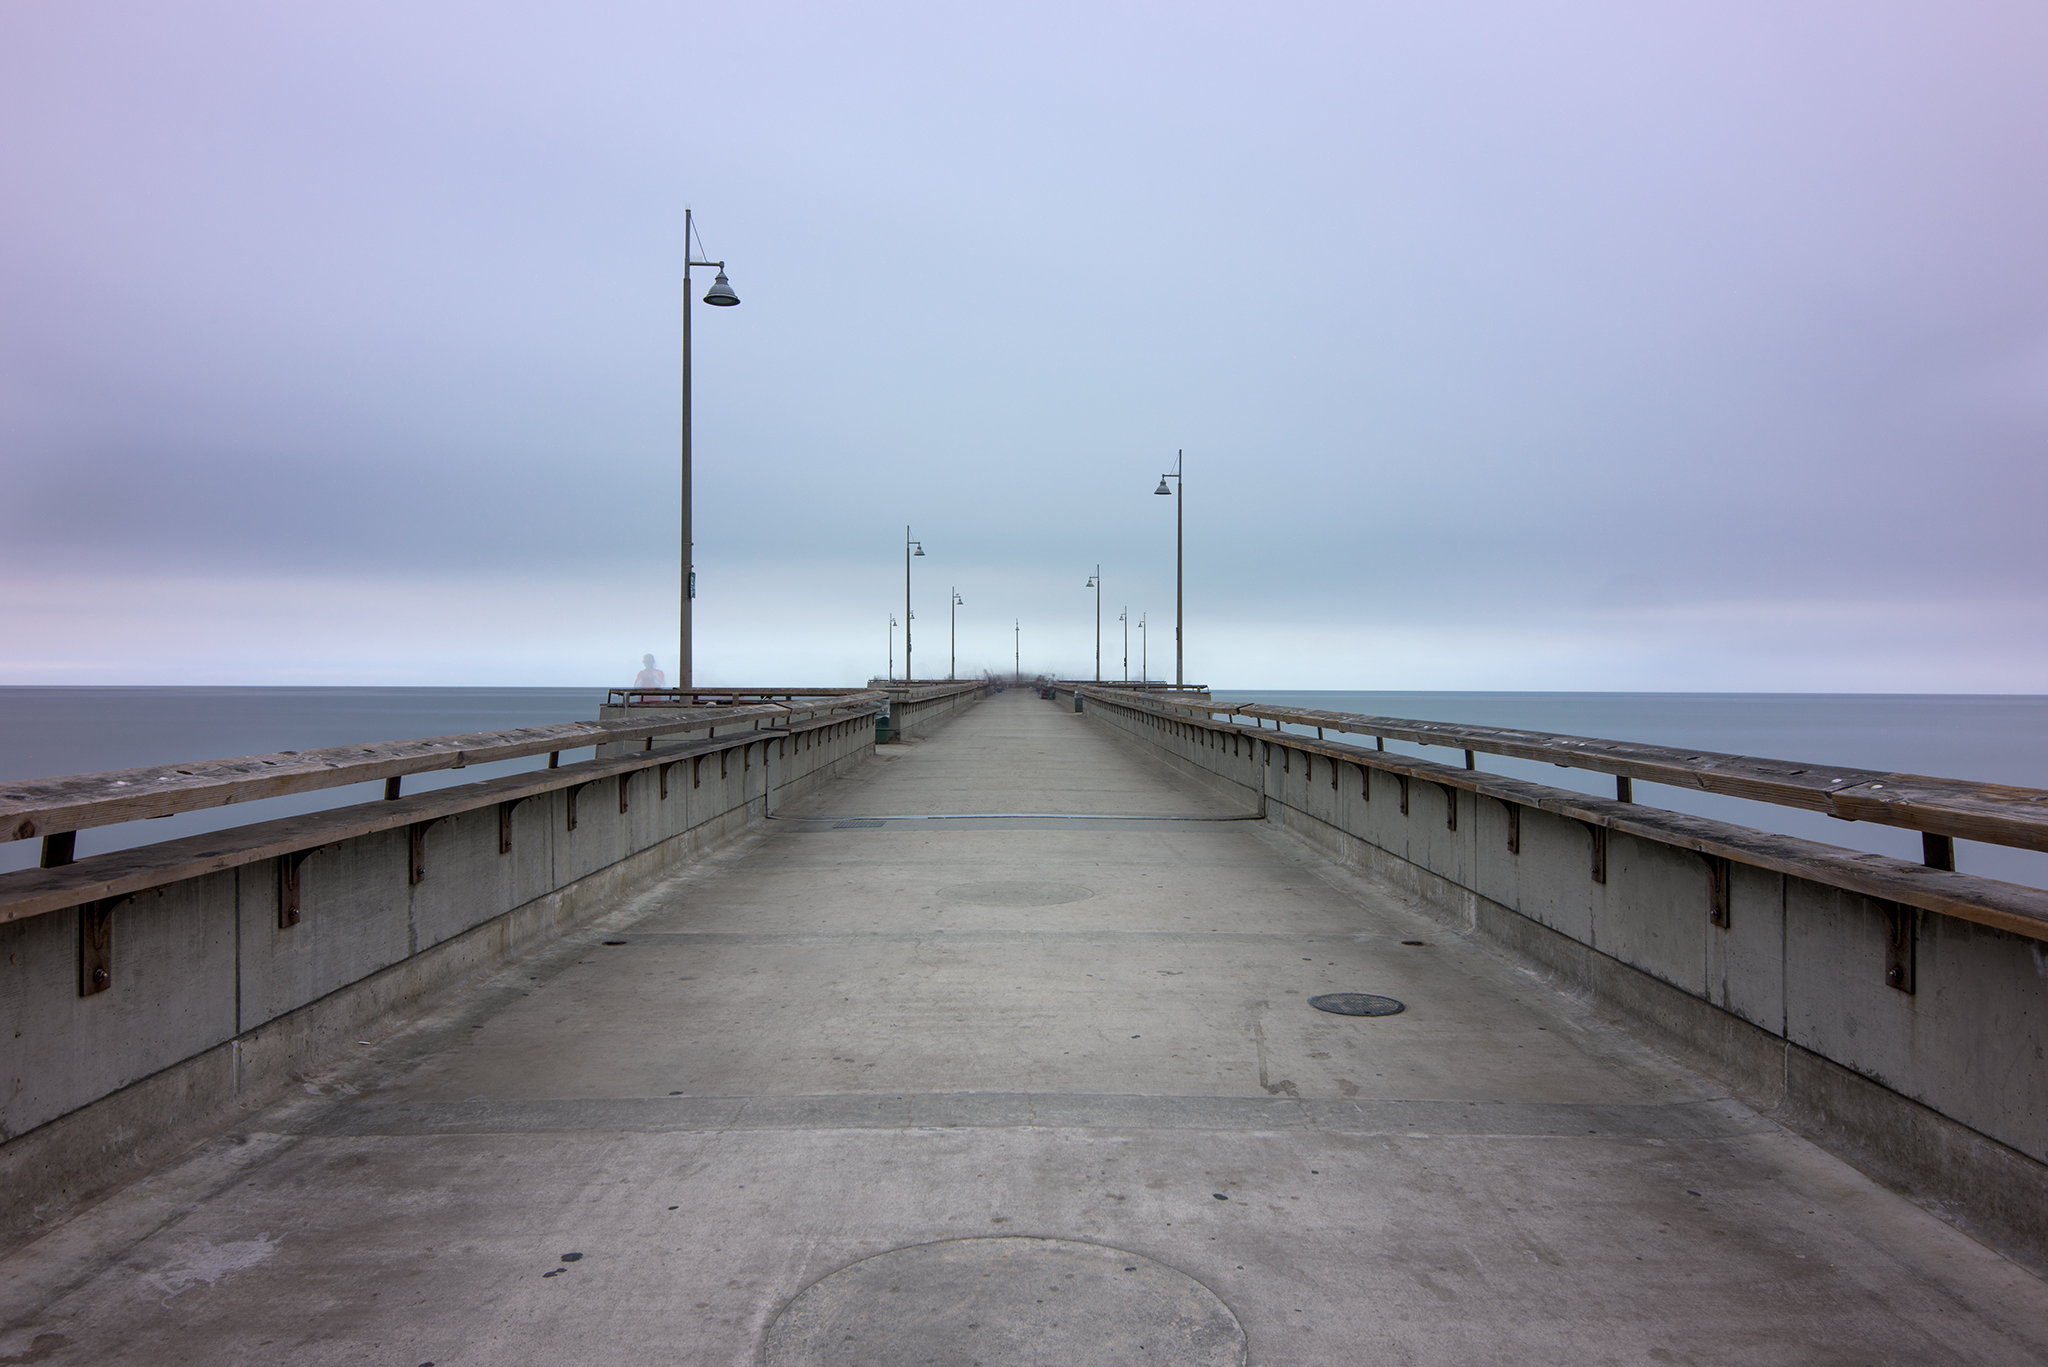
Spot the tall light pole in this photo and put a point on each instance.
(1017, 644)
(1095, 582)
(908, 673)
(953, 639)
(1125, 618)
(1179, 523)
(721, 295)
(892, 647)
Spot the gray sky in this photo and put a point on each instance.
(1579, 346)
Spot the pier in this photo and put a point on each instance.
(749, 1039)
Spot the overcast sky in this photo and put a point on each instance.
(1576, 346)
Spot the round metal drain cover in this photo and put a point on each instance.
(1016, 894)
(1356, 1004)
(1005, 1301)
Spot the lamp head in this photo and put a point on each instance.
(919, 550)
(720, 292)
(1162, 489)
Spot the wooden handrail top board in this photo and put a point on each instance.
(119, 873)
(1995, 814)
(943, 690)
(76, 802)
(763, 694)
(926, 692)
(1986, 901)
(747, 692)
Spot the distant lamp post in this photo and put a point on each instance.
(720, 295)
(1179, 524)
(1125, 618)
(1017, 644)
(892, 647)
(953, 636)
(1095, 582)
(908, 673)
(1144, 654)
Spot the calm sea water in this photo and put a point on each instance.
(45, 731)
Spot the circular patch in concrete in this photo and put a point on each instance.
(1005, 1301)
(1016, 894)
(1356, 1004)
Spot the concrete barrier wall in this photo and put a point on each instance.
(916, 711)
(1941, 1092)
(213, 1004)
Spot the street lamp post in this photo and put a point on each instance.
(1144, 653)
(892, 647)
(1095, 582)
(720, 294)
(953, 636)
(1017, 644)
(1179, 523)
(908, 673)
(1125, 618)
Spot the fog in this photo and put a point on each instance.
(1559, 346)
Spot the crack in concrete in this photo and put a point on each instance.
(1285, 1086)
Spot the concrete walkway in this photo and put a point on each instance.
(832, 1041)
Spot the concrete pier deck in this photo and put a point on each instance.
(836, 1038)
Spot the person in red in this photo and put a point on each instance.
(649, 677)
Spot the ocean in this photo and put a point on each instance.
(1997, 739)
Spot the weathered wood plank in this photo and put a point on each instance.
(1990, 812)
(33, 807)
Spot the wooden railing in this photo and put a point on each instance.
(56, 806)
(1995, 814)
(920, 689)
(714, 697)
(1151, 687)
(1975, 809)
(61, 884)
(927, 688)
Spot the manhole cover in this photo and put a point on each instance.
(863, 824)
(1356, 1004)
(1016, 894)
(1004, 1301)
